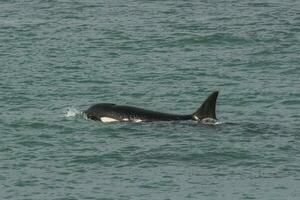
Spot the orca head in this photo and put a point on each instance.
(98, 111)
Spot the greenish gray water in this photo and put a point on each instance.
(59, 57)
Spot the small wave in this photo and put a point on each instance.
(218, 123)
(211, 121)
(71, 112)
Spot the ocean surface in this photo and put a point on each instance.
(58, 57)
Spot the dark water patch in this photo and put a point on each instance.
(262, 4)
(35, 144)
(104, 159)
(168, 155)
(213, 39)
(291, 102)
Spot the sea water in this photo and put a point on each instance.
(59, 57)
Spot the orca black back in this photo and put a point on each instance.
(107, 112)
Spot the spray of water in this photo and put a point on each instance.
(71, 112)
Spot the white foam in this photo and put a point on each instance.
(71, 112)
(210, 121)
(218, 122)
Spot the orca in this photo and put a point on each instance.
(108, 112)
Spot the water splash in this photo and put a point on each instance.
(71, 112)
(218, 123)
(211, 121)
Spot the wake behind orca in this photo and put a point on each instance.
(107, 112)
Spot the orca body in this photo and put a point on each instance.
(107, 112)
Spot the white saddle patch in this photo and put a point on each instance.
(108, 119)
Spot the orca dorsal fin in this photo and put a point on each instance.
(208, 108)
